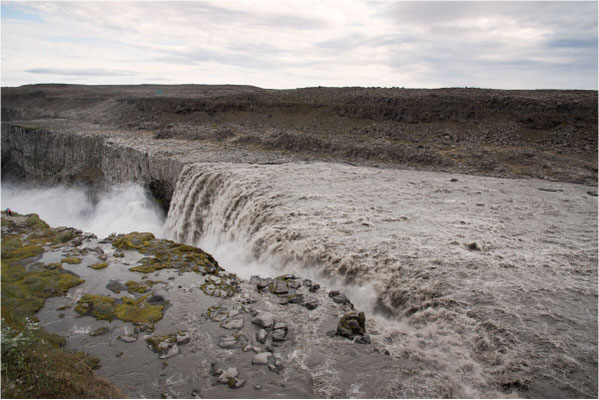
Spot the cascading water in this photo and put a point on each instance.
(456, 265)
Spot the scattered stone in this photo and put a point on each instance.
(453, 180)
(258, 387)
(314, 287)
(103, 257)
(264, 319)
(261, 358)
(115, 286)
(236, 340)
(340, 299)
(261, 336)
(166, 345)
(128, 338)
(118, 254)
(196, 394)
(473, 246)
(120, 353)
(157, 299)
(365, 339)
(235, 323)
(310, 304)
(278, 335)
(331, 333)
(351, 324)
(550, 190)
(229, 377)
(592, 193)
(183, 337)
(279, 287)
(217, 313)
(100, 331)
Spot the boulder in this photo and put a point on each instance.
(261, 336)
(351, 324)
(264, 319)
(261, 358)
(235, 323)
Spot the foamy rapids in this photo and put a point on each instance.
(491, 281)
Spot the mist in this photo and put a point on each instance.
(122, 209)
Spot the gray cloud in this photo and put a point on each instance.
(80, 72)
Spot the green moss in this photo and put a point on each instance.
(7, 223)
(101, 307)
(98, 266)
(10, 243)
(33, 221)
(39, 367)
(134, 241)
(139, 312)
(168, 254)
(65, 236)
(140, 287)
(71, 260)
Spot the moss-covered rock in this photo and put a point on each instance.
(33, 221)
(71, 260)
(101, 307)
(351, 324)
(140, 241)
(140, 287)
(65, 236)
(140, 311)
(167, 254)
(98, 266)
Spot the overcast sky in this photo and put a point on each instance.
(280, 44)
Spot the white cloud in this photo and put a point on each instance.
(284, 44)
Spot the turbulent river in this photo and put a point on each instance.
(489, 285)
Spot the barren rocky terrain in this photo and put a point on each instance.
(547, 134)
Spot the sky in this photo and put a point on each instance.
(288, 44)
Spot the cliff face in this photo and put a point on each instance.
(34, 154)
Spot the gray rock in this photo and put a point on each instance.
(264, 319)
(258, 387)
(233, 341)
(261, 358)
(183, 337)
(314, 287)
(173, 350)
(235, 323)
(261, 336)
(365, 339)
(128, 338)
(115, 286)
(310, 304)
(340, 298)
(196, 394)
(278, 335)
(100, 331)
(119, 254)
(279, 287)
(280, 325)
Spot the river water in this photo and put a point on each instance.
(487, 286)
